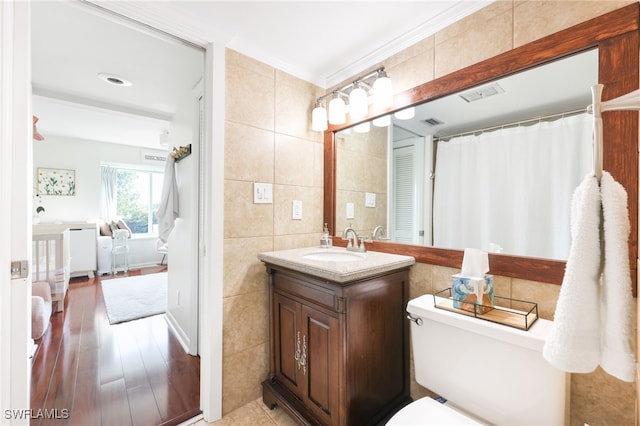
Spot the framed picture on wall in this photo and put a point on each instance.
(56, 181)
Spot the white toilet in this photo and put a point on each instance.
(489, 373)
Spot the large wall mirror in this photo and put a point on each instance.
(489, 156)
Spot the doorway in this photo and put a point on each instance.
(78, 53)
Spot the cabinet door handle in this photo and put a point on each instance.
(301, 354)
(298, 355)
(303, 361)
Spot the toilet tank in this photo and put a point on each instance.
(492, 371)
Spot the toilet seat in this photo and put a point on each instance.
(427, 411)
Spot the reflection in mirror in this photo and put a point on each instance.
(493, 167)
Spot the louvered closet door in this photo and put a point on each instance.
(404, 200)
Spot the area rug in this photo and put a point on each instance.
(135, 297)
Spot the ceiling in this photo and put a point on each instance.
(323, 42)
(555, 88)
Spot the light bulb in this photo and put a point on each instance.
(358, 103)
(319, 118)
(362, 127)
(382, 91)
(383, 121)
(337, 110)
(405, 114)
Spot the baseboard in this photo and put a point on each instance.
(177, 330)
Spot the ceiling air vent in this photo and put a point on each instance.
(482, 92)
(433, 122)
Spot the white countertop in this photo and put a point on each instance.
(365, 264)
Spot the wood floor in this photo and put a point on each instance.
(88, 372)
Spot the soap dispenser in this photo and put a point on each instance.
(325, 239)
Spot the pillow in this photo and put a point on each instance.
(122, 225)
(105, 229)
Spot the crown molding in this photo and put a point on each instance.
(453, 14)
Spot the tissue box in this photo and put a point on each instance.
(464, 294)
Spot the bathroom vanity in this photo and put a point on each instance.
(339, 341)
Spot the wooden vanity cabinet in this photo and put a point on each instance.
(339, 352)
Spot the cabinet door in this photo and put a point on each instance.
(321, 384)
(288, 342)
(82, 246)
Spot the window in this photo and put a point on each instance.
(138, 195)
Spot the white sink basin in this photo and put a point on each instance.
(335, 256)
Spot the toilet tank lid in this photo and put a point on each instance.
(534, 338)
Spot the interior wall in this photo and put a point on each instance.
(182, 290)
(267, 139)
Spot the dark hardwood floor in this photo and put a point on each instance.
(87, 372)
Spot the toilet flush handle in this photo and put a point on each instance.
(417, 320)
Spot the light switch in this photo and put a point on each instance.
(350, 211)
(370, 199)
(262, 193)
(297, 209)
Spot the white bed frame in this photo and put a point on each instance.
(51, 263)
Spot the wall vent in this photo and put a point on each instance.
(482, 92)
(433, 122)
(154, 157)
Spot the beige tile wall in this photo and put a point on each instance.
(268, 139)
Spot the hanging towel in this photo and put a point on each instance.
(617, 357)
(573, 344)
(168, 209)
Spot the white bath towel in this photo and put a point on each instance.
(573, 344)
(168, 208)
(616, 357)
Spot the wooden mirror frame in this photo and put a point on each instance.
(616, 36)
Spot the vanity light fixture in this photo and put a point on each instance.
(382, 89)
(319, 118)
(337, 110)
(362, 127)
(358, 102)
(405, 114)
(376, 84)
(383, 121)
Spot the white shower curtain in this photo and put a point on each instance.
(512, 187)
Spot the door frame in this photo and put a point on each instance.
(15, 180)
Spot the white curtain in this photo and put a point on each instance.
(108, 191)
(512, 187)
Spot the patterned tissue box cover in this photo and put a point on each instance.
(464, 294)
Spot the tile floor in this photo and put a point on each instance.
(255, 413)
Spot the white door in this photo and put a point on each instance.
(408, 197)
(15, 190)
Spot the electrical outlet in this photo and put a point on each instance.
(350, 211)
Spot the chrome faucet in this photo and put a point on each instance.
(376, 230)
(352, 245)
